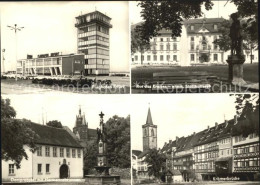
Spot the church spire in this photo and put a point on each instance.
(149, 120)
(79, 110)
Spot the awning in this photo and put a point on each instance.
(223, 159)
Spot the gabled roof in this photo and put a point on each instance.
(53, 136)
(143, 154)
(136, 152)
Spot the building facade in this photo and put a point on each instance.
(194, 47)
(53, 64)
(149, 142)
(93, 42)
(216, 152)
(58, 155)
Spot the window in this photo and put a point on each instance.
(235, 151)
(142, 58)
(73, 153)
(174, 57)
(204, 46)
(155, 58)
(136, 57)
(252, 57)
(192, 57)
(67, 152)
(168, 39)
(247, 150)
(168, 47)
(11, 169)
(154, 39)
(174, 39)
(161, 57)
(152, 132)
(215, 57)
(235, 164)
(47, 168)
(192, 46)
(39, 151)
(148, 58)
(168, 57)
(192, 27)
(161, 39)
(215, 26)
(39, 168)
(54, 151)
(47, 151)
(61, 152)
(192, 39)
(79, 153)
(161, 47)
(174, 46)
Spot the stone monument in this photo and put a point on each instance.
(237, 58)
(102, 168)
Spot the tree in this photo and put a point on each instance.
(118, 141)
(137, 43)
(168, 15)
(156, 163)
(247, 108)
(12, 142)
(54, 123)
(90, 157)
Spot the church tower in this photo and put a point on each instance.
(81, 127)
(149, 133)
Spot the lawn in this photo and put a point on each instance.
(145, 73)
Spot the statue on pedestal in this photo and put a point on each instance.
(236, 36)
(236, 59)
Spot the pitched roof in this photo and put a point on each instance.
(149, 120)
(143, 154)
(54, 136)
(207, 23)
(136, 152)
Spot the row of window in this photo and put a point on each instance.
(61, 152)
(168, 47)
(209, 155)
(205, 166)
(215, 57)
(47, 168)
(168, 58)
(162, 39)
(215, 27)
(245, 150)
(247, 163)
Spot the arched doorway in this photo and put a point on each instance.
(64, 171)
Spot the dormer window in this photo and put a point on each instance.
(192, 27)
(215, 26)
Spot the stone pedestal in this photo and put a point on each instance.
(235, 69)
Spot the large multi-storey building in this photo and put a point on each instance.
(217, 151)
(93, 42)
(194, 47)
(53, 64)
(58, 155)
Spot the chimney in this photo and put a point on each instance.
(208, 127)
(216, 125)
(177, 139)
(170, 141)
(165, 143)
(226, 123)
(235, 119)
(194, 133)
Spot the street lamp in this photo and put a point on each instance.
(15, 28)
(3, 50)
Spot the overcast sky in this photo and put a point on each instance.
(64, 107)
(178, 114)
(50, 27)
(219, 10)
